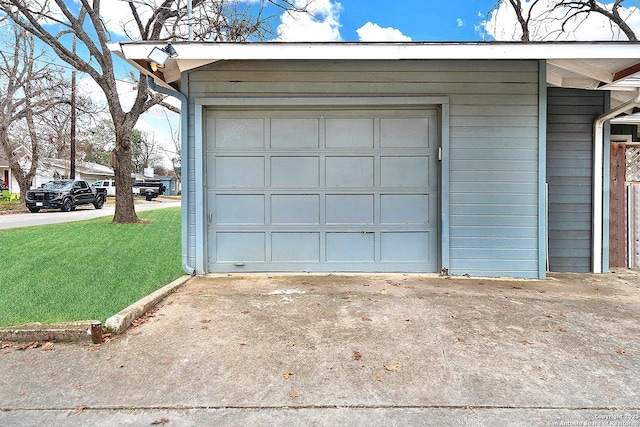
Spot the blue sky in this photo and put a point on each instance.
(417, 20)
(422, 20)
(440, 20)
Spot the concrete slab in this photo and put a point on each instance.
(356, 349)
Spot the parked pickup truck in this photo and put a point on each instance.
(149, 189)
(65, 194)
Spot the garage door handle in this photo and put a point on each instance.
(210, 217)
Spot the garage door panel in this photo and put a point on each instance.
(240, 247)
(295, 247)
(350, 208)
(404, 132)
(238, 133)
(349, 171)
(404, 171)
(350, 247)
(405, 209)
(240, 209)
(292, 171)
(295, 209)
(239, 172)
(349, 133)
(404, 247)
(294, 133)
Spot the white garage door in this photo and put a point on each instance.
(331, 190)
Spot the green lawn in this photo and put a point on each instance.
(86, 270)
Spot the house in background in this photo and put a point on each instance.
(488, 159)
(6, 176)
(51, 169)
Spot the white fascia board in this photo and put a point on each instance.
(385, 51)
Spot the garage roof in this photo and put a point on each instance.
(613, 66)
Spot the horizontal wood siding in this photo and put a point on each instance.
(493, 199)
(570, 116)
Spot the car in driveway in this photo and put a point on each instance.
(65, 194)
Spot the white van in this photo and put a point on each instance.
(109, 184)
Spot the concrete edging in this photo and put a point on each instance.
(120, 322)
(58, 332)
(82, 331)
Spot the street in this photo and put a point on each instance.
(81, 213)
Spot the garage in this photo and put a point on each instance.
(330, 189)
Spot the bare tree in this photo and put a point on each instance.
(524, 17)
(542, 20)
(582, 8)
(56, 21)
(55, 127)
(30, 89)
(98, 142)
(146, 151)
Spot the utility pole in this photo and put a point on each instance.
(72, 173)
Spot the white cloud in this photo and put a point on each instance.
(460, 22)
(117, 18)
(503, 25)
(320, 23)
(371, 32)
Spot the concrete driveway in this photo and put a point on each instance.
(357, 350)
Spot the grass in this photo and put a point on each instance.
(12, 206)
(86, 270)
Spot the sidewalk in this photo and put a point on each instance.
(358, 350)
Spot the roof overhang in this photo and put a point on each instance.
(613, 66)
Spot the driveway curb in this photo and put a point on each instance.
(58, 332)
(81, 331)
(120, 322)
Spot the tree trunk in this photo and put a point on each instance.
(121, 163)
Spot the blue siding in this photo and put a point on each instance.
(493, 201)
(570, 116)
